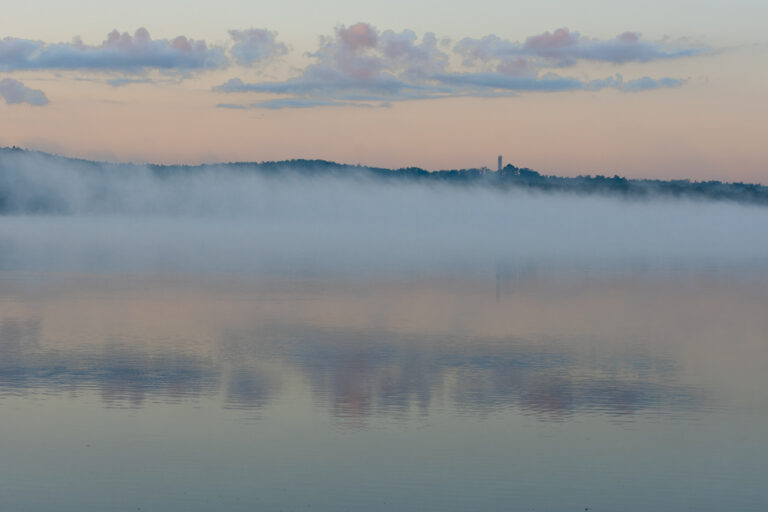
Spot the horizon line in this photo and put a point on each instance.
(364, 166)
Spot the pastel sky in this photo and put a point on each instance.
(671, 89)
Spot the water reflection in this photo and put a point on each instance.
(354, 374)
(359, 376)
(250, 388)
(122, 374)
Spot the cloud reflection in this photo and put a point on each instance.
(359, 375)
(250, 388)
(121, 374)
(354, 374)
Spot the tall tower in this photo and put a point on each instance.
(499, 169)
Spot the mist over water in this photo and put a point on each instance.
(73, 215)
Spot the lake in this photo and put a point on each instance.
(520, 389)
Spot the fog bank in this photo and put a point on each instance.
(74, 216)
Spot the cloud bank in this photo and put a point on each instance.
(139, 53)
(563, 48)
(119, 52)
(359, 63)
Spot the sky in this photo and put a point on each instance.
(672, 89)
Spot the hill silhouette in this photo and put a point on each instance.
(508, 178)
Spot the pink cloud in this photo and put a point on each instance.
(561, 38)
(629, 37)
(358, 36)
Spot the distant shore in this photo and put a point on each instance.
(506, 178)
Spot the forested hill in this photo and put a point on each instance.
(18, 167)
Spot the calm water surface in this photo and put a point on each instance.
(624, 392)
